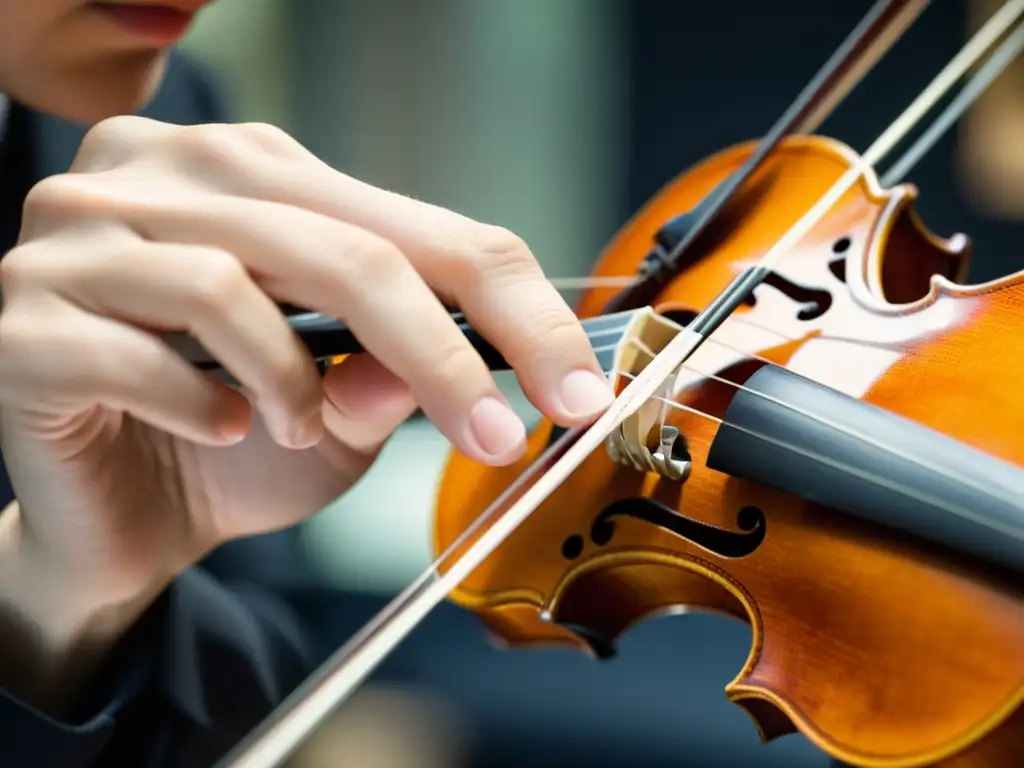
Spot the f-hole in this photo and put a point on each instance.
(814, 302)
(837, 264)
(725, 543)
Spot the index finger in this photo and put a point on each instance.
(507, 298)
(495, 279)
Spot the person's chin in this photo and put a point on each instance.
(117, 86)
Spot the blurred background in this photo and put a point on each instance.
(557, 119)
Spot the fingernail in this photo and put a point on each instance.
(495, 428)
(236, 429)
(584, 393)
(234, 435)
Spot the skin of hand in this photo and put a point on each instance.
(129, 464)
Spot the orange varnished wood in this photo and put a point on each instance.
(881, 650)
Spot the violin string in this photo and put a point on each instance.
(935, 501)
(294, 718)
(948, 471)
(598, 326)
(846, 431)
(594, 334)
(744, 320)
(598, 333)
(615, 332)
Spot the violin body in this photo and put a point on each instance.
(881, 648)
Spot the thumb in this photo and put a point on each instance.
(365, 403)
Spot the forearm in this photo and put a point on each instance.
(54, 633)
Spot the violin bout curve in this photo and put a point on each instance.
(859, 697)
(879, 649)
(852, 708)
(865, 713)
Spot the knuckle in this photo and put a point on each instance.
(371, 259)
(498, 241)
(113, 133)
(220, 278)
(59, 194)
(555, 329)
(57, 202)
(18, 268)
(545, 332)
(245, 158)
(458, 363)
(268, 138)
(214, 144)
(501, 254)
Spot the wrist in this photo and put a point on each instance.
(56, 629)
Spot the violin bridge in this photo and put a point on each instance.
(630, 443)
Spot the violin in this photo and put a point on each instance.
(857, 393)
(819, 430)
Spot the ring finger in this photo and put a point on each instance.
(364, 280)
(208, 293)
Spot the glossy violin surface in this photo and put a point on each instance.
(840, 466)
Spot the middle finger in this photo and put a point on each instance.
(362, 279)
(487, 271)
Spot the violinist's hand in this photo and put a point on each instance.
(128, 464)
